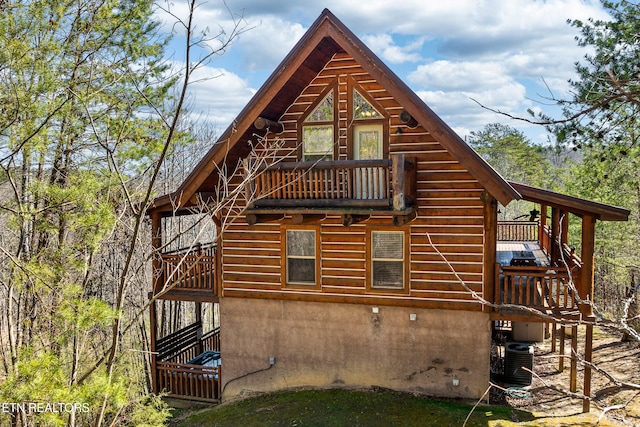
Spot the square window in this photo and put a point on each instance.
(387, 259)
(301, 257)
(317, 142)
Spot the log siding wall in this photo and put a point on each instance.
(449, 209)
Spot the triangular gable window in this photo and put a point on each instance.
(324, 110)
(362, 109)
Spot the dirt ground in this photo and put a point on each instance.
(619, 359)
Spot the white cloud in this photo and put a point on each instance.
(390, 52)
(217, 95)
(268, 42)
(501, 53)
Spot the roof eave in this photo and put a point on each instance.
(577, 205)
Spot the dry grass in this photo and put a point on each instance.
(617, 358)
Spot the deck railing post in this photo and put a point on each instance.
(398, 178)
(250, 181)
(587, 269)
(497, 299)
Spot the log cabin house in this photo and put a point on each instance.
(364, 249)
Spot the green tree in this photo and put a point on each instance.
(80, 82)
(515, 157)
(601, 123)
(612, 176)
(512, 154)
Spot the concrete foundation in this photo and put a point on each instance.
(270, 345)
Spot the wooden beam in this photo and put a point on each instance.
(156, 244)
(250, 183)
(411, 180)
(554, 254)
(218, 260)
(262, 123)
(542, 226)
(323, 203)
(561, 351)
(152, 344)
(400, 220)
(564, 232)
(573, 382)
(198, 314)
(299, 218)
(587, 256)
(350, 219)
(398, 184)
(490, 212)
(253, 219)
(408, 119)
(588, 356)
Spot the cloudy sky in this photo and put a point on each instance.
(507, 54)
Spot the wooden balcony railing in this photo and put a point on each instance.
(193, 382)
(187, 343)
(523, 231)
(539, 288)
(380, 183)
(176, 376)
(545, 239)
(190, 269)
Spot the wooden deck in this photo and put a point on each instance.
(175, 370)
(526, 276)
(506, 251)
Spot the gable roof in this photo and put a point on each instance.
(326, 37)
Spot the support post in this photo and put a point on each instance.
(158, 282)
(156, 245)
(397, 167)
(250, 184)
(490, 212)
(542, 225)
(564, 231)
(153, 330)
(199, 331)
(587, 256)
(573, 386)
(561, 360)
(555, 235)
(217, 268)
(588, 356)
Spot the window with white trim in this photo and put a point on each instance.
(317, 131)
(387, 259)
(301, 257)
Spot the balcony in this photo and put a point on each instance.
(352, 188)
(527, 275)
(188, 273)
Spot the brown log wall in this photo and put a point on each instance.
(450, 212)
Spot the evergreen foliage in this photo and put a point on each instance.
(80, 85)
